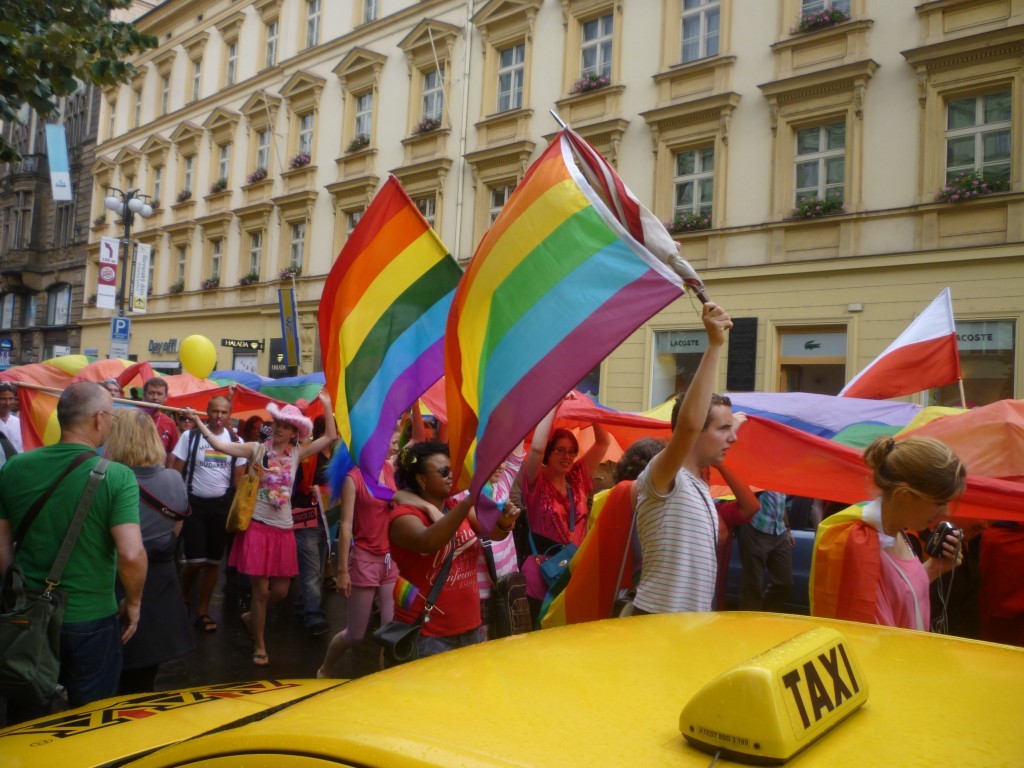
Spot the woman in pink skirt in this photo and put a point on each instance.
(265, 551)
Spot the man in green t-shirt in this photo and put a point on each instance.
(109, 546)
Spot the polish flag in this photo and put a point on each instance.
(923, 356)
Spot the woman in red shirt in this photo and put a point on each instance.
(422, 536)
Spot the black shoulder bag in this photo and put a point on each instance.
(31, 620)
(398, 639)
(510, 610)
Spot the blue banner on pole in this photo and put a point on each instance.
(57, 153)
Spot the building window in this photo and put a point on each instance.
(158, 183)
(821, 162)
(150, 272)
(694, 181)
(369, 10)
(305, 145)
(255, 252)
(216, 247)
(182, 258)
(312, 23)
(978, 132)
(263, 148)
(364, 115)
(701, 20)
(64, 225)
(814, 6)
(812, 360)
(597, 47)
(188, 172)
(7, 310)
(352, 219)
(232, 64)
(137, 119)
(28, 311)
(677, 353)
(511, 70)
(224, 161)
(987, 356)
(427, 206)
(433, 94)
(297, 244)
(165, 94)
(58, 305)
(21, 221)
(270, 57)
(499, 196)
(197, 77)
(112, 118)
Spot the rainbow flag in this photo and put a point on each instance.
(382, 318)
(571, 267)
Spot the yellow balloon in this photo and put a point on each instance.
(198, 356)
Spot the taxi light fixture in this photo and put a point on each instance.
(770, 707)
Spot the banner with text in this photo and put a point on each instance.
(106, 288)
(140, 278)
(60, 171)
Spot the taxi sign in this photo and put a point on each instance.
(771, 706)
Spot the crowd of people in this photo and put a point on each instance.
(141, 579)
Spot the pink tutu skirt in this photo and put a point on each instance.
(263, 550)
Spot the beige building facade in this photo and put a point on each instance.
(264, 128)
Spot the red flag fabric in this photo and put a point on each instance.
(923, 356)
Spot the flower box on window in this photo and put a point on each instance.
(289, 272)
(185, 194)
(362, 141)
(91, 301)
(218, 186)
(813, 207)
(258, 175)
(591, 82)
(300, 160)
(250, 279)
(426, 125)
(101, 219)
(210, 283)
(176, 287)
(689, 222)
(968, 186)
(829, 17)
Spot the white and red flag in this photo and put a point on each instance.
(923, 356)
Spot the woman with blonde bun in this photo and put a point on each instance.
(864, 568)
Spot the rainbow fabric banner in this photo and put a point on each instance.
(382, 319)
(566, 272)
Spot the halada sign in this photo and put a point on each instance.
(253, 344)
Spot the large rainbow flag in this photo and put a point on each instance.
(382, 319)
(567, 271)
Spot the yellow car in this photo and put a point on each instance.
(644, 691)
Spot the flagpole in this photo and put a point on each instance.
(117, 400)
(963, 399)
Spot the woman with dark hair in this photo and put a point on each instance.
(864, 568)
(164, 632)
(423, 536)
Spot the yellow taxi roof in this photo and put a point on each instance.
(604, 693)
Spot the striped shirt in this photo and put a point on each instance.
(678, 533)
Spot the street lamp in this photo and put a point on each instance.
(126, 205)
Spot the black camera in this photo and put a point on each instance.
(934, 545)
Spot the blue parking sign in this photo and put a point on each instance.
(120, 335)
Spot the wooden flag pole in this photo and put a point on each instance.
(963, 399)
(117, 400)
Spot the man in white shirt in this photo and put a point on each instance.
(210, 477)
(10, 424)
(677, 524)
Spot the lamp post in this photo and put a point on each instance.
(126, 205)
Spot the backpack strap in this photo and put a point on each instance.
(190, 461)
(96, 475)
(30, 518)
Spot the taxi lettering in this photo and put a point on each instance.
(816, 695)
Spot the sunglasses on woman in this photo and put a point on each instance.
(443, 471)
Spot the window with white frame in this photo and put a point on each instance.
(694, 181)
(137, 118)
(255, 252)
(427, 206)
(165, 94)
(364, 115)
(499, 196)
(305, 145)
(511, 71)
(224, 161)
(312, 23)
(216, 248)
(821, 162)
(676, 356)
(369, 10)
(129, 182)
(58, 305)
(701, 22)
(7, 310)
(197, 77)
(270, 53)
(978, 136)
(352, 219)
(263, 148)
(188, 172)
(596, 50)
(158, 183)
(433, 94)
(814, 6)
(231, 70)
(297, 244)
(112, 118)
(182, 259)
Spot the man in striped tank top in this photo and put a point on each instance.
(676, 520)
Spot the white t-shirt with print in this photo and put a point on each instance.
(212, 476)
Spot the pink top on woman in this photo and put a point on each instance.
(903, 594)
(548, 508)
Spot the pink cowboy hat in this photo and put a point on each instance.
(289, 414)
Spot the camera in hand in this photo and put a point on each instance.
(934, 544)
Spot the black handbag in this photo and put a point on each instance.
(31, 620)
(398, 639)
(510, 609)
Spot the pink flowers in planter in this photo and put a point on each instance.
(258, 175)
(968, 186)
(591, 82)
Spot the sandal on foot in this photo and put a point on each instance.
(205, 623)
(260, 659)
